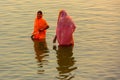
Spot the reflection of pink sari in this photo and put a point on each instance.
(65, 29)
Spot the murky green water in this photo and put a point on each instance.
(95, 55)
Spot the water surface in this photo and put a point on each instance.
(95, 55)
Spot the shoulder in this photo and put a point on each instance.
(43, 19)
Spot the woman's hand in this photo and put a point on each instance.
(40, 30)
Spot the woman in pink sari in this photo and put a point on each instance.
(65, 29)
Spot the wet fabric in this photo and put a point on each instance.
(39, 24)
(65, 29)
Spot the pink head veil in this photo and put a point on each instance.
(64, 20)
(65, 28)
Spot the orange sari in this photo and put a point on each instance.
(39, 24)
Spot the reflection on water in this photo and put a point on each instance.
(97, 40)
(65, 62)
(41, 50)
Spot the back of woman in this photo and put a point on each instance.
(65, 29)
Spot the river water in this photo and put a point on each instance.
(95, 55)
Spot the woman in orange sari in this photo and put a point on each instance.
(65, 29)
(40, 26)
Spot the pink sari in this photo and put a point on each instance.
(65, 29)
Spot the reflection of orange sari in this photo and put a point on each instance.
(39, 24)
(40, 47)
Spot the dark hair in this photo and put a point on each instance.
(39, 12)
